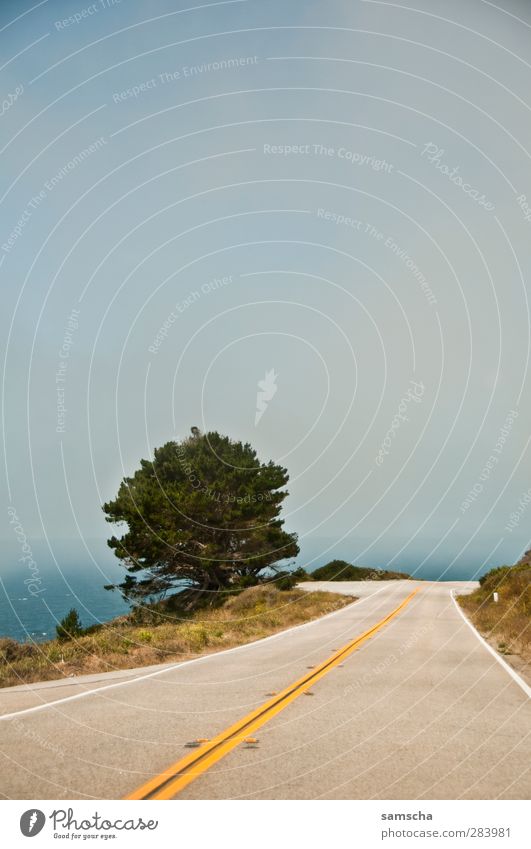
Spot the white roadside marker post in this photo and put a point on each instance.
(495, 596)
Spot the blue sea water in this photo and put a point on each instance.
(67, 576)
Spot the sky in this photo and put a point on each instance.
(331, 199)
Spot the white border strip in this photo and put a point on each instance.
(167, 668)
(514, 675)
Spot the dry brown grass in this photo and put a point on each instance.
(255, 613)
(505, 623)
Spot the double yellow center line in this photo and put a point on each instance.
(177, 776)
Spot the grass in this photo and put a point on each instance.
(506, 622)
(122, 644)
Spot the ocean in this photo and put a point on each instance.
(68, 576)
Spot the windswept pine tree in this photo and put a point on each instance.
(204, 513)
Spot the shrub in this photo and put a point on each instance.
(145, 636)
(491, 579)
(507, 619)
(285, 581)
(11, 651)
(70, 627)
(340, 570)
(302, 575)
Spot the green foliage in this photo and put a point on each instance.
(505, 580)
(93, 629)
(288, 580)
(302, 575)
(203, 515)
(69, 627)
(246, 581)
(285, 581)
(12, 651)
(145, 636)
(340, 570)
(490, 579)
(509, 617)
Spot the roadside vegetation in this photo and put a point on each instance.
(505, 623)
(340, 570)
(162, 633)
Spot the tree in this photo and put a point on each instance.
(69, 627)
(202, 514)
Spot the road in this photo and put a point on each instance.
(419, 709)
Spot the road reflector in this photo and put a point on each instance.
(194, 744)
(272, 693)
(251, 742)
(308, 693)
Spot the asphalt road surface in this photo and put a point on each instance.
(419, 709)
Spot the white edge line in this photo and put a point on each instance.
(203, 658)
(514, 675)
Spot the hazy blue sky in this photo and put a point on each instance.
(352, 175)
